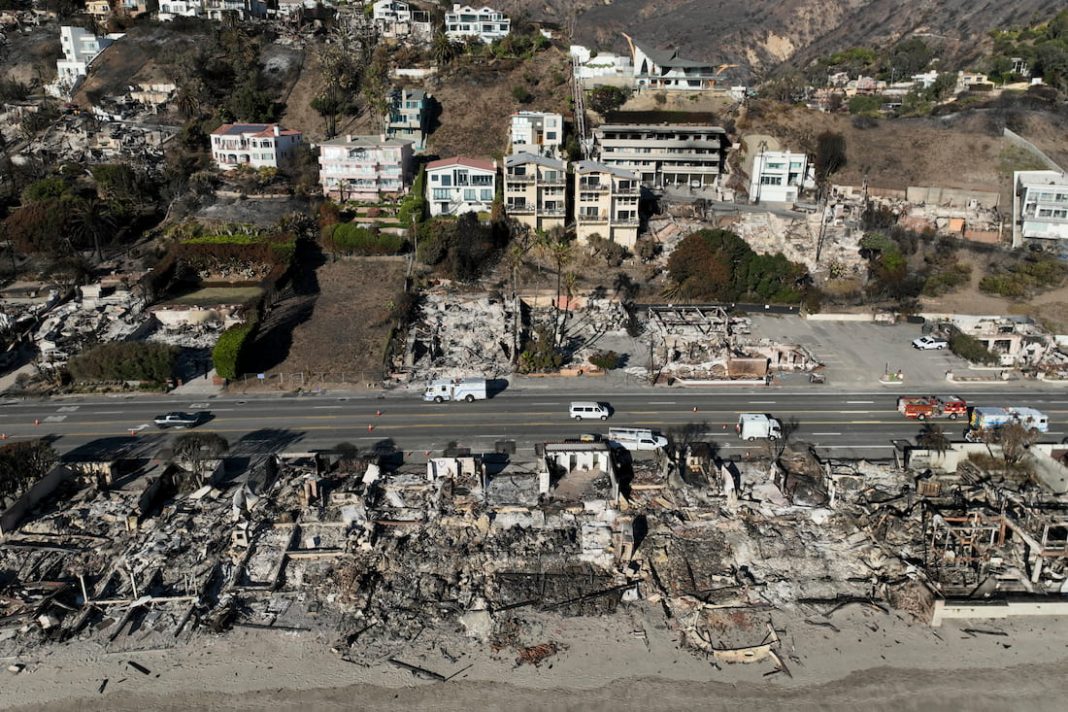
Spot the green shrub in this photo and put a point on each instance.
(45, 189)
(717, 265)
(413, 208)
(971, 349)
(228, 354)
(605, 360)
(945, 279)
(521, 94)
(124, 361)
(1025, 278)
(352, 239)
(539, 354)
(612, 252)
(865, 104)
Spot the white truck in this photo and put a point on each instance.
(636, 438)
(456, 389)
(758, 425)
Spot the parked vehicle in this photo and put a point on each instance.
(924, 407)
(178, 420)
(987, 420)
(636, 438)
(588, 410)
(752, 426)
(929, 343)
(457, 389)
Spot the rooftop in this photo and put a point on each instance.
(522, 159)
(657, 118)
(670, 58)
(368, 141)
(262, 130)
(595, 167)
(479, 163)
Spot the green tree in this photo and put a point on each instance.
(717, 265)
(91, 222)
(443, 49)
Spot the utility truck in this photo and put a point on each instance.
(991, 420)
(636, 438)
(456, 389)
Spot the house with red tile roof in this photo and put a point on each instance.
(254, 145)
(460, 185)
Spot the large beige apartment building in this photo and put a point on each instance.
(665, 149)
(606, 203)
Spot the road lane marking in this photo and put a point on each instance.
(199, 405)
(826, 433)
(68, 409)
(662, 403)
(326, 407)
(558, 403)
(55, 418)
(761, 402)
(859, 402)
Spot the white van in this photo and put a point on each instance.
(588, 410)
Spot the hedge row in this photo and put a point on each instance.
(353, 239)
(125, 361)
(230, 350)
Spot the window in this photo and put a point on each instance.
(550, 135)
(770, 180)
(469, 195)
(481, 180)
(440, 194)
(446, 181)
(588, 212)
(434, 178)
(486, 195)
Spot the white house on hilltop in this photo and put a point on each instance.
(485, 23)
(537, 132)
(1039, 206)
(778, 177)
(253, 145)
(460, 185)
(80, 48)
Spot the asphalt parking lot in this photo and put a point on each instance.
(856, 354)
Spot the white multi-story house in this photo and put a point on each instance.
(593, 68)
(409, 116)
(241, 9)
(397, 18)
(485, 23)
(535, 190)
(253, 145)
(664, 155)
(170, 9)
(606, 203)
(80, 48)
(365, 167)
(536, 132)
(778, 177)
(460, 185)
(665, 69)
(1039, 206)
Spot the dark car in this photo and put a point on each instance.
(178, 420)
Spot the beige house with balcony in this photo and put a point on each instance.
(253, 145)
(535, 190)
(365, 167)
(606, 203)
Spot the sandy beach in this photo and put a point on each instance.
(868, 660)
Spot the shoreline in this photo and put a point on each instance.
(871, 660)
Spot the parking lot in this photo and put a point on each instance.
(856, 354)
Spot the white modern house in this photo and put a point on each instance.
(592, 68)
(779, 177)
(80, 48)
(1039, 206)
(665, 69)
(365, 167)
(536, 132)
(253, 145)
(170, 9)
(460, 185)
(485, 23)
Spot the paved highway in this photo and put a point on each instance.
(842, 424)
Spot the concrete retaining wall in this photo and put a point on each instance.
(994, 610)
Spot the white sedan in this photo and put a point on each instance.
(929, 343)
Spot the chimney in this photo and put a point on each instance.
(277, 130)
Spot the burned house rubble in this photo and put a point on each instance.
(456, 552)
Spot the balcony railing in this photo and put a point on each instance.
(513, 178)
(525, 209)
(594, 218)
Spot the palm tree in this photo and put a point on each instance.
(90, 220)
(443, 49)
(933, 437)
(561, 252)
